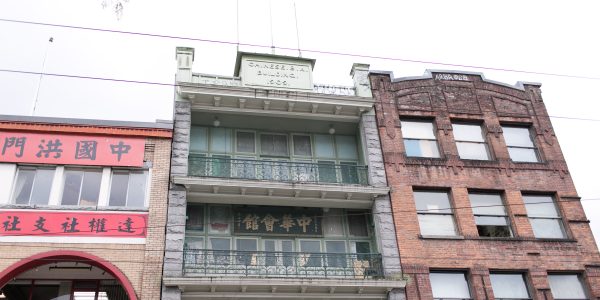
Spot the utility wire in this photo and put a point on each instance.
(192, 85)
(298, 49)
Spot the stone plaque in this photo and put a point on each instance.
(276, 73)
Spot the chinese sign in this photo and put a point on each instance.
(279, 221)
(69, 149)
(50, 223)
(277, 73)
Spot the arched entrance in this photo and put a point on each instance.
(65, 275)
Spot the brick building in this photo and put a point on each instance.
(277, 187)
(483, 202)
(82, 208)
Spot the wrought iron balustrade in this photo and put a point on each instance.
(201, 262)
(285, 171)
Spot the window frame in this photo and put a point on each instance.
(13, 199)
(534, 147)
(450, 208)
(558, 218)
(287, 139)
(435, 136)
(465, 273)
(528, 286)
(485, 143)
(147, 174)
(506, 215)
(235, 148)
(82, 169)
(580, 277)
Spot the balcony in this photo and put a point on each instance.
(280, 171)
(200, 262)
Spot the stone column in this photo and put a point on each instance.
(360, 76)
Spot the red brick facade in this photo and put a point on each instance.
(446, 97)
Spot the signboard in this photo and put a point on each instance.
(277, 73)
(66, 149)
(455, 77)
(278, 221)
(73, 223)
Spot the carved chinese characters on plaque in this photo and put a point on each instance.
(278, 221)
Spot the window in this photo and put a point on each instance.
(449, 285)
(490, 215)
(246, 254)
(435, 213)
(195, 217)
(470, 142)
(419, 139)
(245, 142)
(357, 223)
(128, 188)
(82, 187)
(336, 254)
(221, 250)
(219, 219)
(33, 186)
(520, 144)
(302, 146)
(566, 286)
(310, 256)
(274, 145)
(509, 286)
(544, 217)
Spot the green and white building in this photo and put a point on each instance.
(277, 187)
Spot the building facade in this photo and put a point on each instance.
(483, 202)
(277, 187)
(82, 208)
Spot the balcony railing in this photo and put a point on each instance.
(284, 171)
(200, 262)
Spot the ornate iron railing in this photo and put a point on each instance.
(285, 171)
(201, 262)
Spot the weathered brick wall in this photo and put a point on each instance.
(490, 104)
(141, 264)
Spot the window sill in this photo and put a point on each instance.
(441, 237)
(67, 207)
(518, 239)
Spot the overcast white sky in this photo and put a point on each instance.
(541, 36)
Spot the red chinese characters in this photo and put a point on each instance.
(21, 147)
(51, 223)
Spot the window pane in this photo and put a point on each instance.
(473, 151)
(136, 194)
(195, 218)
(245, 142)
(24, 186)
(494, 231)
(470, 133)
(246, 244)
(220, 140)
(357, 223)
(219, 219)
(432, 202)
(90, 188)
(547, 228)
(509, 286)
(198, 139)
(417, 130)
(496, 221)
(324, 145)
(219, 244)
(437, 225)
(310, 257)
(523, 154)
(71, 188)
(302, 145)
(517, 136)
(194, 243)
(421, 148)
(327, 172)
(540, 206)
(346, 147)
(243, 257)
(42, 186)
(566, 287)
(349, 172)
(336, 260)
(332, 222)
(118, 189)
(449, 285)
(487, 204)
(273, 145)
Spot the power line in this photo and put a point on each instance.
(299, 49)
(192, 85)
